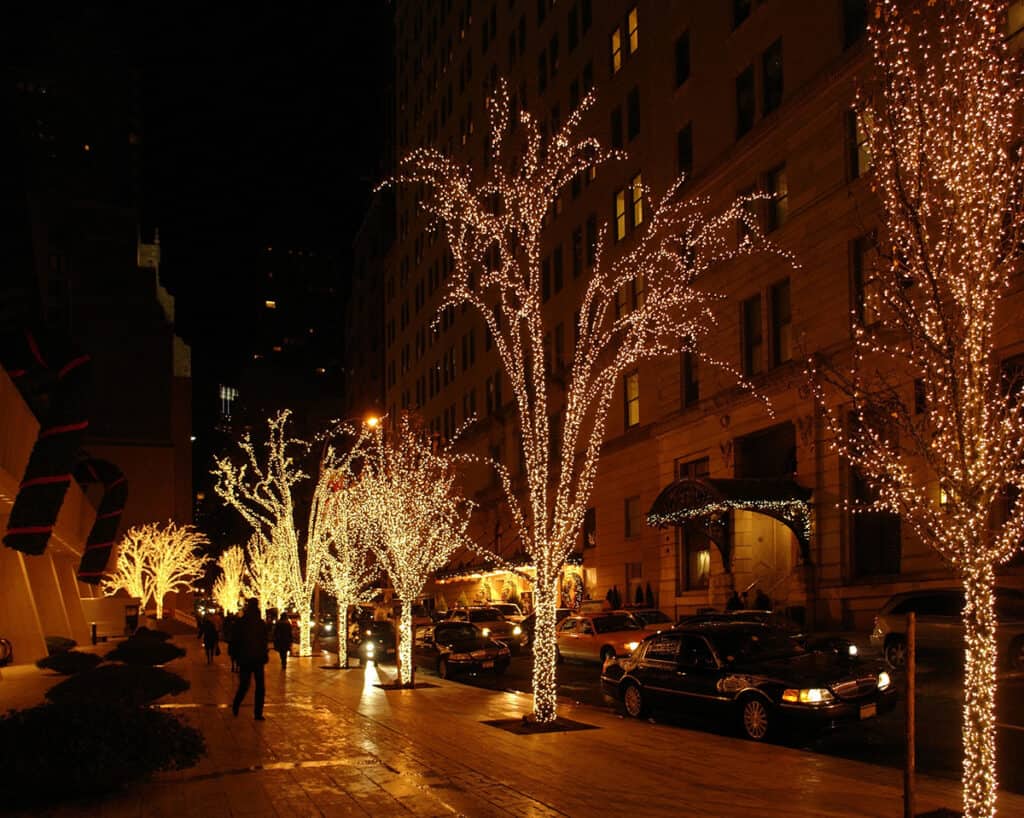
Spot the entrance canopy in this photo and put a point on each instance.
(709, 499)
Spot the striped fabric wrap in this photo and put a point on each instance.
(108, 515)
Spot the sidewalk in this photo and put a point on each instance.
(335, 745)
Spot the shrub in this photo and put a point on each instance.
(143, 632)
(68, 750)
(59, 644)
(69, 662)
(145, 651)
(132, 684)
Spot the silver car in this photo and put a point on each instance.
(939, 626)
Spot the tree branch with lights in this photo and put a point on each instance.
(494, 223)
(268, 574)
(131, 573)
(945, 454)
(230, 586)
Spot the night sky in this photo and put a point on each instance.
(263, 123)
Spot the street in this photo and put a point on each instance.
(878, 741)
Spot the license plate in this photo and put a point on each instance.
(868, 711)
(487, 664)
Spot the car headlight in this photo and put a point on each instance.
(328, 627)
(516, 631)
(486, 631)
(852, 650)
(370, 648)
(631, 646)
(369, 633)
(883, 680)
(814, 695)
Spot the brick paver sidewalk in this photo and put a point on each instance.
(334, 744)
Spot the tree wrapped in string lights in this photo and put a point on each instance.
(166, 558)
(638, 306)
(262, 494)
(407, 507)
(229, 587)
(268, 575)
(946, 452)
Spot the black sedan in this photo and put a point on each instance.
(458, 647)
(753, 673)
(372, 641)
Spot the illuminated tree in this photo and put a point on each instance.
(130, 571)
(262, 494)
(173, 559)
(946, 452)
(406, 506)
(638, 306)
(349, 568)
(267, 580)
(229, 587)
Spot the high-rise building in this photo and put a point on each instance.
(748, 95)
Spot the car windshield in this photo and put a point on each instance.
(379, 627)
(454, 632)
(615, 622)
(651, 617)
(507, 609)
(755, 644)
(485, 615)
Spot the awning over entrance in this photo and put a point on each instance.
(709, 499)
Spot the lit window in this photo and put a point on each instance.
(616, 50)
(778, 205)
(860, 151)
(620, 215)
(270, 305)
(633, 24)
(637, 186)
(632, 395)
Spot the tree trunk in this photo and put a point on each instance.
(343, 633)
(545, 685)
(159, 607)
(305, 640)
(979, 692)
(405, 644)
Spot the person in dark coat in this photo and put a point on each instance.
(283, 639)
(250, 640)
(230, 623)
(734, 603)
(208, 633)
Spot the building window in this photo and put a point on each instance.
(771, 76)
(616, 50)
(684, 150)
(745, 101)
(545, 279)
(693, 557)
(620, 214)
(617, 127)
(556, 269)
(689, 379)
(782, 324)
(577, 252)
(753, 343)
(553, 56)
(633, 517)
(866, 287)
(574, 31)
(591, 240)
(590, 528)
(778, 205)
(637, 195)
(633, 113)
(682, 58)
(875, 534)
(858, 148)
(559, 363)
(631, 393)
(633, 27)
(855, 21)
(740, 11)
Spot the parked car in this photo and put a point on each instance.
(456, 646)
(493, 624)
(755, 674)
(529, 623)
(597, 637)
(372, 641)
(939, 627)
(510, 610)
(651, 619)
(833, 643)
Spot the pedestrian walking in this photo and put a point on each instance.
(230, 625)
(734, 603)
(208, 633)
(250, 640)
(283, 639)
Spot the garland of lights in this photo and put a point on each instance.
(263, 496)
(940, 123)
(156, 561)
(406, 506)
(229, 587)
(795, 512)
(506, 210)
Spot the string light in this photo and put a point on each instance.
(268, 575)
(156, 561)
(406, 506)
(229, 587)
(494, 226)
(940, 125)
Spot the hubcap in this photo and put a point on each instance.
(755, 719)
(633, 701)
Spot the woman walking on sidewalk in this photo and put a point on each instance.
(283, 639)
(208, 633)
(250, 641)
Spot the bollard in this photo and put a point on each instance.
(94, 633)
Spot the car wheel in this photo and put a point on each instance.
(895, 652)
(755, 718)
(442, 669)
(634, 702)
(1017, 653)
(607, 652)
(499, 670)
(558, 657)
